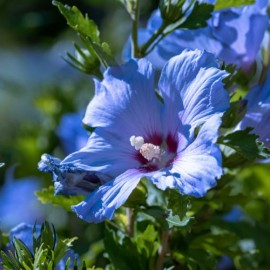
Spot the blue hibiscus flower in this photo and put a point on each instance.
(18, 202)
(171, 143)
(234, 35)
(71, 132)
(258, 112)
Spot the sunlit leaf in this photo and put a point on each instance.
(246, 144)
(46, 195)
(78, 22)
(175, 221)
(221, 4)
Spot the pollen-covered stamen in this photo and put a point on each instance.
(149, 151)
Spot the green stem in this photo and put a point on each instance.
(153, 38)
(163, 249)
(135, 23)
(131, 216)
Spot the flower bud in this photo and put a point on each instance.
(85, 61)
(130, 6)
(171, 10)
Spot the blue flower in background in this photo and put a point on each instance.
(24, 232)
(136, 135)
(225, 263)
(236, 214)
(18, 202)
(71, 132)
(234, 35)
(258, 113)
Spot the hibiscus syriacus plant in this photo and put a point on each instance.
(140, 135)
(166, 165)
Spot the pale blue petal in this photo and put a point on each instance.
(163, 179)
(251, 25)
(179, 40)
(258, 113)
(106, 152)
(125, 101)
(259, 94)
(102, 203)
(191, 84)
(234, 35)
(258, 118)
(197, 168)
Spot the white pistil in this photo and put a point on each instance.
(136, 142)
(148, 150)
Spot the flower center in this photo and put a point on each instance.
(149, 151)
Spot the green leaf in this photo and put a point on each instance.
(47, 251)
(102, 51)
(62, 247)
(22, 252)
(147, 241)
(78, 22)
(178, 203)
(9, 261)
(234, 114)
(246, 144)
(40, 256)
(148, 244)
(46, 195)
(200, 13)
(137, 197)
(201, 259)
(60, 251)
(85, 60)
(130, 258)
(155, 197)
(221, 4)
(175, 221)
(159, 214)
(216, 243)
(89, 35)
(69, 241)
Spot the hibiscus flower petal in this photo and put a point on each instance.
(125, 101)
(192, 84)
(102, 203)
(105, 152)
(199, 165)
